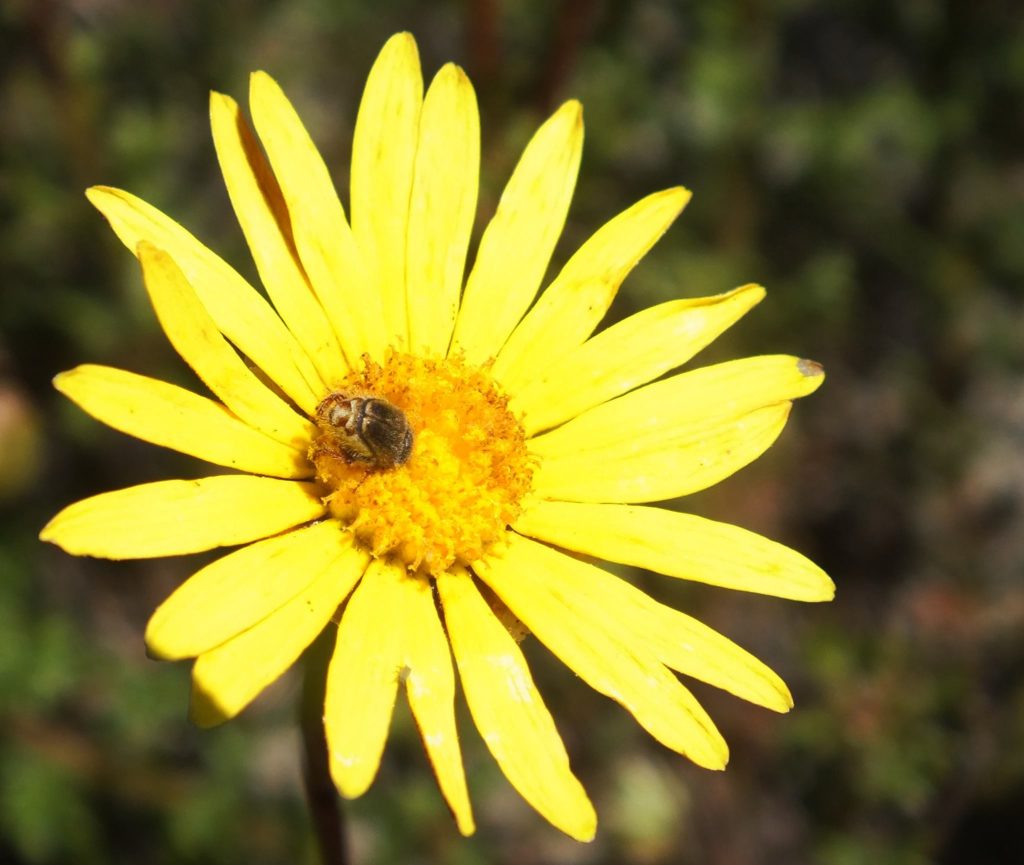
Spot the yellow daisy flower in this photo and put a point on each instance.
(426, 467)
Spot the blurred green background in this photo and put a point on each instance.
(863, 160)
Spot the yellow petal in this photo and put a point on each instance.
(260, 209)
(226, 679)
(517, 244)
(240, 589)
(693, 649)
(442, 209)
(195, 337)
(630, 353)
(675, 436)
(670, 409)
(678, 545)
(362, 679)
(383, 151)
(509, 712)
(239, 312)
(681, 642)
(602, 643)
(430, 685)
(665, 469)
(175, 418)
(325, 242)
(170, 518)
(570, 308)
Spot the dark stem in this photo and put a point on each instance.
(325, 807)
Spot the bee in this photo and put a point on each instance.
(364, 429)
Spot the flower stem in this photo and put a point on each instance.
(325, 806)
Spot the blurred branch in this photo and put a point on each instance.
(572, 27)
(324, 803)
(48, 24)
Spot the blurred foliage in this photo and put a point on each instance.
(864, 160)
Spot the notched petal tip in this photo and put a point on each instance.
(92, 193)
(453, 71)
(100, 196)
(260, 82)
(222, 102)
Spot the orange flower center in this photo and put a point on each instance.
(451, 496)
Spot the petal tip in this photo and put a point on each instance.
(401, 41)
(59, 381)
(466, 825)
(48, 533)
(810, 368)
(203, 709)
(221, 102)
(569, 113)
(586, 829)
(826, 591)
(96, 194)
(679, 193)
(157, 649)
(454, 72)
(351, 784)
(757, 292)
(261, 82)
(785, 698)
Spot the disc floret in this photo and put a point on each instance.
(461, 485)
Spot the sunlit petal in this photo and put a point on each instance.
(509, 712)
(239, 312)
(570, 308)
(430, 685)
(442, 209)
(263, 216)
(678, 545)
(517, 244)
(678, 406)
(362, 679)
(598, 641)
(226, 679)
(195, 337)
(383, 152)
(664, 467)
(175, 418)
(633, 352)
(240, 589)
(170, 518)
(324, 240)
(678, 640)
